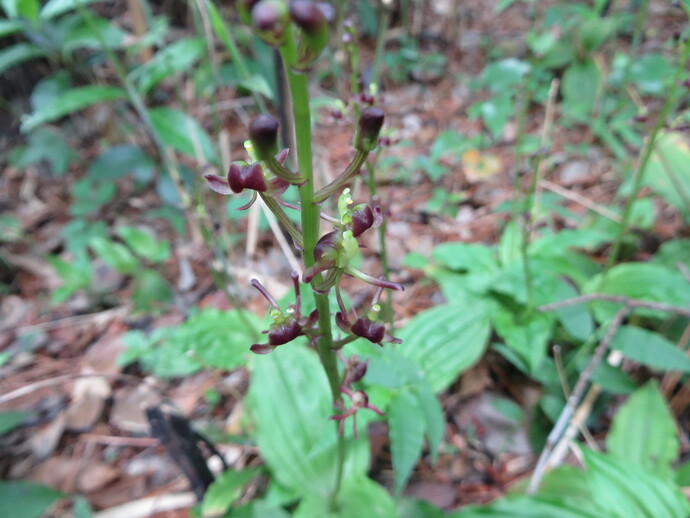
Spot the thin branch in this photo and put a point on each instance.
(545, 459)
(578, 198)
(629, 303)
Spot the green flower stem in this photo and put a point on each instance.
(299, 89)
(638, 177)
(343, 178)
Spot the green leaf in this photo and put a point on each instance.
(580, 86)
(115, 255)
(510, 245)
(434, 420)
(10, 420)
(643, 281)
(9, 27)
(447, 340)
(289, 397)
(17, 54)
(55, 8)
(672, 253)
(495, 112)
(359, 497)
(45, 144)
(469, 257)
(90, 36)
(181, 132)
(667, 173)
(651, 73)
(527, 338)
(225, 491)
(562, 242)
(26, 499)
(119, 161)
(75, 275)
(626, 490)
(170, 60)
(650, 349)
(71, 101)
(502, 75)
(645, 432)
(415, 508)
(576, 319)
(406, 429)
(144, 244)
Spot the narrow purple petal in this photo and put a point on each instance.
(218, 184)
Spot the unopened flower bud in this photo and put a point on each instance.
(368, 129)
(312, 20)
(327, 245)
(270, 19)
(263, 132)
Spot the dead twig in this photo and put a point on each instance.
(629, 303)
(545, 459)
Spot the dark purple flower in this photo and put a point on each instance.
(247, 176)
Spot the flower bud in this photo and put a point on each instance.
(362, 219)
(263, 132)
(312, 20)
(327, 246)
(270, 19)
(372, 331)
(246, 176)
(368, 129)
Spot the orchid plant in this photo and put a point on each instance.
(300, 31)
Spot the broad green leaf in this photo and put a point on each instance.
(651, 72)
(510, 245)
(624, 489)
(594, 32)
(434, 419)
(11, 419)
(495, 112)
(359, 497)
(406, 429)
(45, 144)
(526, 507)
(115, 255)
(505, 74)
(470, 257)
(527, 338)
(90, 36)
(225, 491)
(119, 161)
(144, 244)
(446, 340)
(289, 398)
(26, 499)
(672, 253)
(580, 86)
(576, 319)
(644, 431)
(71, 101)
(55, 8)
(563, 241)
(75, 275)
(181, 132)
(170, 60)
(415, 508)
(258, 509)
(643, 281)
(17, 54)
(88, 196)
(258, 84)
(667, 173)
(650, 349)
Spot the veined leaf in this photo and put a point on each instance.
(289, 398)
(434, 420)
(650, 349)
(446, 340)
(406, 429)
(644, 431)
(181, 132)
(172, 59)
(225, 490)
(26, 499)
(71, 101)
(359, 497)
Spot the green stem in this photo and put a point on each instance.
(639, 174)
(299, 90)
(283, 218)
(384, 21)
